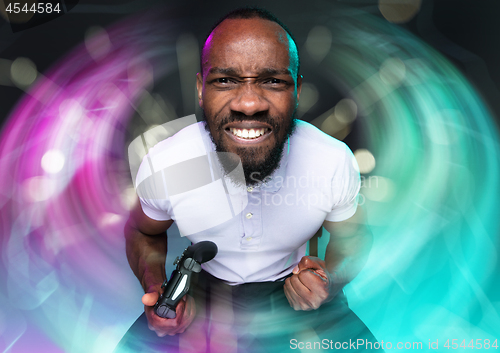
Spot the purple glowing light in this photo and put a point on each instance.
(65, 193)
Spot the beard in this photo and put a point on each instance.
(255, 168)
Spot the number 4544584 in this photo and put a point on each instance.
(474, 344)
(41, 7)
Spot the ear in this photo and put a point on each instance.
(299, 86)
(199, 88)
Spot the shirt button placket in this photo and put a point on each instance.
(252, 220)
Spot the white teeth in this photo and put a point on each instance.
(247, 134)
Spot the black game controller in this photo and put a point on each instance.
(178, 285)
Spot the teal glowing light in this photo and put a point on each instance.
(431, 199)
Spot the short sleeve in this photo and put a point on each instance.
(153, 212)
(345, 188)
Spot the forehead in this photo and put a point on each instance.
(247, 44)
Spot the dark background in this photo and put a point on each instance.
(465, 31)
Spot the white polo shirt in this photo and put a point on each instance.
(261, 232)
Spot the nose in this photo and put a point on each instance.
(249, 100)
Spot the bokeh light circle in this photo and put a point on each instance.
(53, 161)
(365, 159)
(399, 11)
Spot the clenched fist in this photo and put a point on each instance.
(310, 285)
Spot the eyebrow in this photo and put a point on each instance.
(230, 71)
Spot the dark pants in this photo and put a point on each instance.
(254, 317)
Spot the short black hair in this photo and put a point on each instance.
(248, 12)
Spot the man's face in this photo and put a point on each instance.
(249, 92)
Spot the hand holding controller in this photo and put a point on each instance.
(178, 285)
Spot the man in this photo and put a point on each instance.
(249, 88)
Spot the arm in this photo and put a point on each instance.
(315, 281)
(146, 246)
(348, 249)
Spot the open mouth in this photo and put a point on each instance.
(249, 134)
(248, 131)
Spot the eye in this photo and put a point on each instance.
(275, 82)
(224, 81)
